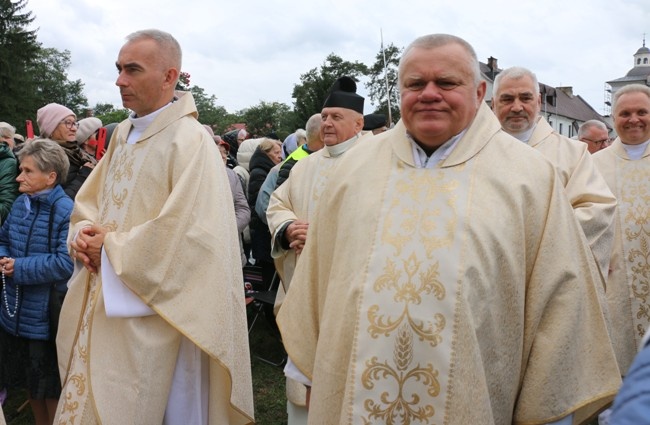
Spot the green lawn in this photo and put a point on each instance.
(268, 381)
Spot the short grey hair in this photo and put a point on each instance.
(432, 41)
(591, 124)
(312, 128)
(630, 88)
(300, 134)
(172, 51)
(48, 156)
(515, 73)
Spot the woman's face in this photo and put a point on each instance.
(31, 179)
(275, 154)
(66, 131)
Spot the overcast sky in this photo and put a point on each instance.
(248, 51)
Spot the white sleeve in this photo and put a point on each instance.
(291, 371)
(119, 300)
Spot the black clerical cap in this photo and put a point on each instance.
(343, 94)
(373, 121)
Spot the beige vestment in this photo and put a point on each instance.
(296, 199)
(462, 294)
(173, 242)
(593, 203)
(628, 284)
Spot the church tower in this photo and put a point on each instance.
(639, 74)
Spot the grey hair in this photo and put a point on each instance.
(432, 41)
(312, 128)
(48, 156)
(631, 88)
(591, 124)
(165, 41)
(301, 134)
(7, 130)
(515, 73)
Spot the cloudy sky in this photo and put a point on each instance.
(248, 51)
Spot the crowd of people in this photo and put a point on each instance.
(467, 264)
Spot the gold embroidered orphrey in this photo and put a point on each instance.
(413, 319)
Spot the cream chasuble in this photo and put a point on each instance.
(296, 199)
(628, 284)
(593, 202)
(462, 294)
(173, 243)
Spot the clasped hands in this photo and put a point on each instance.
(87, 246)
(296, 234)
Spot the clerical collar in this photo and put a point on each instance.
(422, 160)
(339, 148)
(140, 124)
(635, 152)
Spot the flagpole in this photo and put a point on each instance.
(383, 52)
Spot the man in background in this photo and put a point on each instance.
(595, 134)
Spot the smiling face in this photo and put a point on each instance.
(632, 118)
(439, 95)
(146, 83)
(516, 104)
(339, 125)
(31, 179)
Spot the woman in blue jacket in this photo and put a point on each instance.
(35, 267)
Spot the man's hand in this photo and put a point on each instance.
(87, 247)
(296, 234)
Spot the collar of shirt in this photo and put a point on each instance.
(635, 152)
(525, 136)
(422, 160)
(340, 148)
(140, 124)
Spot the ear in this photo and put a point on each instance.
(481, 88)
(171, 76)
(51, 178)
(358, 124)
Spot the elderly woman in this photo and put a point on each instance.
(267, 155)
(60, 124)
(35, 267)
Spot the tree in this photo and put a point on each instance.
(383, 82)
(314, 85)
(209, 112)
(108, 114)
(267, 117)
(49, 75)
(17, 47)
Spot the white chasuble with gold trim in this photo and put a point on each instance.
(628, 285)
(158, 199)
(461, 294)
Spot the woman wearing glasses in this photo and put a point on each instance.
(60, 124)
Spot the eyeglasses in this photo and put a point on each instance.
(70, 124)
(596, 142)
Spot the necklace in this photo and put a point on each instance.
(4, 295)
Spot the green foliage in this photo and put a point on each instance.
(269, 117)
(17, 47)
(210, 113)
(108, 114)
(314, 85)
(50, 79)
(383, 83)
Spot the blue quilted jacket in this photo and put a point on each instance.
(24, 236)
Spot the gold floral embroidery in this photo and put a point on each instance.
(409, 292)
(634, 201)
(402, 406)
